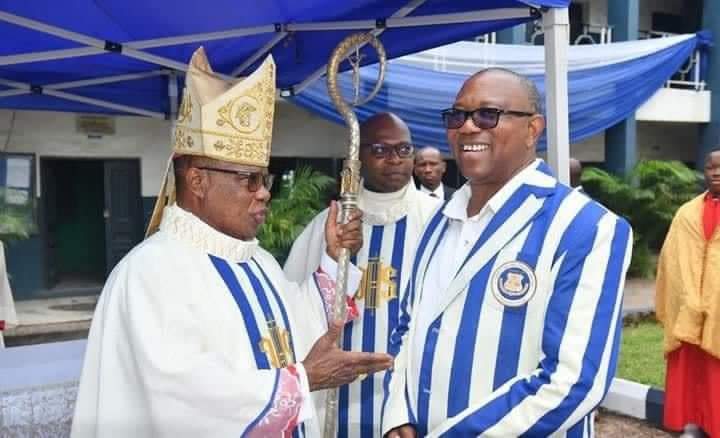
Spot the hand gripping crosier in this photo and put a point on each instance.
(350, 176)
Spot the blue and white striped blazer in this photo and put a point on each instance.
(525, 338)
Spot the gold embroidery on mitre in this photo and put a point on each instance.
(229, 121)
(378, 284)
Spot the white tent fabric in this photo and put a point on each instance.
(467, 57)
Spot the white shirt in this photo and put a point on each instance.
(439, 191)
(460, 237)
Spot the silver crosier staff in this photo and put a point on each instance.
(350, 176)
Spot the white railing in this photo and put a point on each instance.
(591, 34)
(688, 77)
(488, 38)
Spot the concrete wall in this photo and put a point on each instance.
(656, 141)
(49, 134)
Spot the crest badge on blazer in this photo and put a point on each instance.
(513, 283)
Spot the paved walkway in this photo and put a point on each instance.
(69, 318)
(639, 296)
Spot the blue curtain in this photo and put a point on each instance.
(599, 97)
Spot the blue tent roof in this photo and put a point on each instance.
(298, 54)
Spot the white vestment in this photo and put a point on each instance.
(8, 318)
(180, 341)
(392, 224)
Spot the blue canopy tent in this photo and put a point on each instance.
(128, 57)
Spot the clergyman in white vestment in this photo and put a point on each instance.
(517, 283)
(197, 332)
(394, 213)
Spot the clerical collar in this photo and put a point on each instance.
(188, 228)
(385, 208)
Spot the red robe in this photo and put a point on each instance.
(692, 386)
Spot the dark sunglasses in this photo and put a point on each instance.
(483, 118)
(255, 179)
(380, 150)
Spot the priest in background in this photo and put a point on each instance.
(394, 213)
(197, 332)
(688, 306)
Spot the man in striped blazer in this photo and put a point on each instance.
(514, 320)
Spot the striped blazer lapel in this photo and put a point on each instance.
(516, 213)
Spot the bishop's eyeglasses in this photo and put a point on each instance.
(255, 179)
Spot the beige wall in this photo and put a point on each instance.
(53, 134)
(656, 141)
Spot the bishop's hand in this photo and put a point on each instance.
(327, 366)
(339, 235)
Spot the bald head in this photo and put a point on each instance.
(428, 152)
(376, 124)
(530, 89)
(384, 137)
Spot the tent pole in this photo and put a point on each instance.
(423, 20)
(9, 93)
(95, 42)
(556, 29)
(259, 53)
(141, 44)
(105, 80)
(23, 88)
(49, 55)
(104, 104)
(173, 97)
(402, 12)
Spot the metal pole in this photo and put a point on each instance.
(555, 26)
(350, 182)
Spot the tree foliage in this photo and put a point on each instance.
(648, 198)
(300, 198)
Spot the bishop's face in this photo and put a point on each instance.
(236, 199)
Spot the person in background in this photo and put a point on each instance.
(394, 214)
(688, 306)
(429, 170)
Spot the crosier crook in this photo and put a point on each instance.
(350, 176)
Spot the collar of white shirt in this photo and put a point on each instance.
(439, 191)
(456, 208)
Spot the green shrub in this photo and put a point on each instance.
(16, 221)
(301, 197)
(648, 198)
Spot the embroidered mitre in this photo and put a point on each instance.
(228, 121)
